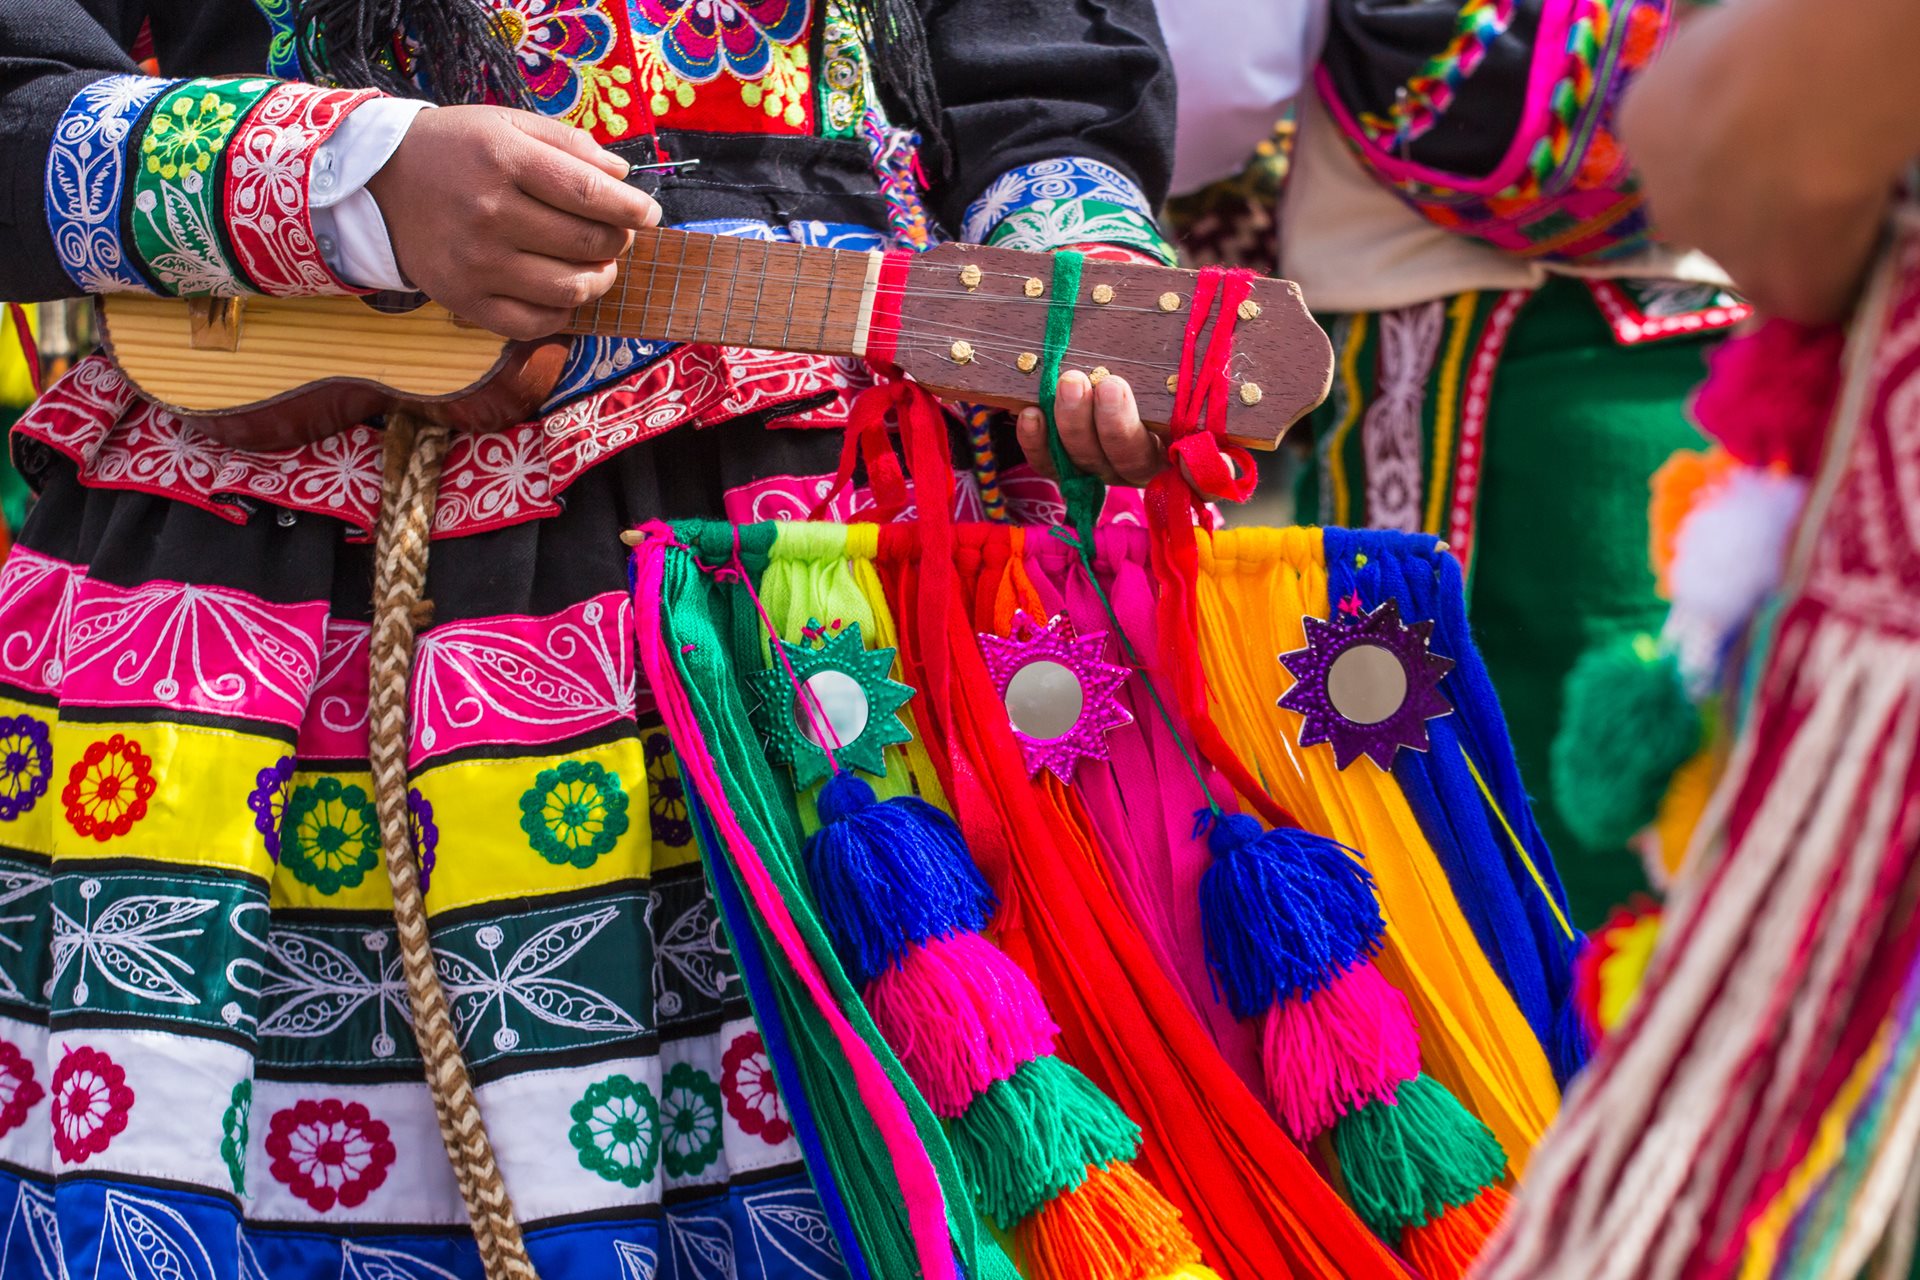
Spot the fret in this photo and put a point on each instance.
(786, 312)
(654, 245)
(759, 293)
(849, 275)
(818, 295)
(740, 250)
(672, 300)
(696, 332)
(625, 281)
(809, 339)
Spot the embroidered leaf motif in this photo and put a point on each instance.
(694, 947)
(17, 885)
(702, 1247)
(152, 1240)
(637, 1262)
(793, 1225)
(129, 944)
(35, 1222)
(314, 987)
(363, 1262)
(526, 980)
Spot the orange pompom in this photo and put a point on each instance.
(1680, 484)
(1114, 1225)
(1445, 1248)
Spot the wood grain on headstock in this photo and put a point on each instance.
(1282, 364)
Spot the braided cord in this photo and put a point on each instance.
(415, 451)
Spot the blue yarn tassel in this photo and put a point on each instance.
(1284, 911)
(889, 875)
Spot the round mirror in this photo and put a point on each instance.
(842, 700)
(1044, 700)
(1367, 684)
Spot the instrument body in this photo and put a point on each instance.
(965, 321)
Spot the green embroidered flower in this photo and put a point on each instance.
(186, 137)
(574, 814)
(616, 1130)
(690, 1116)
(233, 1135)
(331, 835)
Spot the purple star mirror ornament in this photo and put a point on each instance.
(1368, 686)
(1062, 696)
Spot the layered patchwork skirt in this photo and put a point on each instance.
(206, 1066)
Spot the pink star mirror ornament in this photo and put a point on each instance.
(1368, 686)
(1061, 695)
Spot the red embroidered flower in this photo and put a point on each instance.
(753, 1097)
(108, 790)
(90, 1103)
(328, 1152)
(18, 1089)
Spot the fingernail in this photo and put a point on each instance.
(1073, 388)
(1030, 420)
(1110, 394)
(626, 165)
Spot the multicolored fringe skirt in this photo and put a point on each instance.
(204, 1037)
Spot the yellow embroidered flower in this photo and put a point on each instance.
(186, 137)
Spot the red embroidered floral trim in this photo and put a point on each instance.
(329, 1152)
(269, 160)
(118, 441)
(752, 1094)
(18, 1089)
(91, 1102)
(108, 788)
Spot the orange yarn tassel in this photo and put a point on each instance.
(1445, 1249)
(1113, 1226)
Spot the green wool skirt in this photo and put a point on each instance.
(1518, 428)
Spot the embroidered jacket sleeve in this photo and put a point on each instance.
(1061, 119)
(118, 181)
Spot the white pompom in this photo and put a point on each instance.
(1729, 553)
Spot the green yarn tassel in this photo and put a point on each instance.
(1032, 1136)
(1628, 726)
(1408, 1161)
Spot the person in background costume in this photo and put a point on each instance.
(1755, 1114)
(203, 1035)
(1509, 391)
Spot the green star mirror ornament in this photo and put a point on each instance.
(839, 697)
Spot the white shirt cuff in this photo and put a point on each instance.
(347, 224)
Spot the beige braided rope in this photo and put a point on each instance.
(415, 451)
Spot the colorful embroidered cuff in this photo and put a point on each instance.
(1051, 204)
(269, 161)
(176, 195)
(86, 177)
(191, 186)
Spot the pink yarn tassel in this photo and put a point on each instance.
(961, 1015)
(1353, 1042)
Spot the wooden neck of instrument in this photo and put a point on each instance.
(678, 286)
